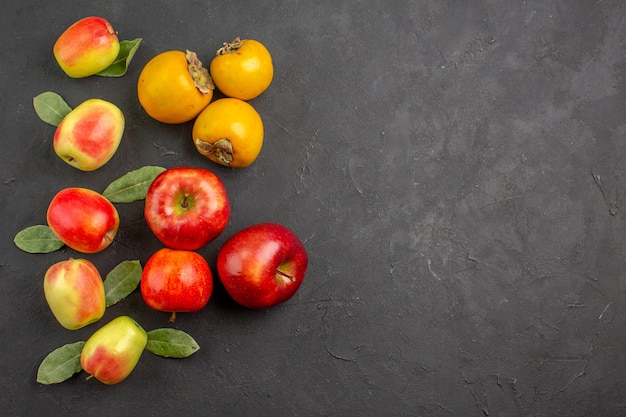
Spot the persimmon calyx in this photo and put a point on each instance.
(230, 47)
(199, 74)
(221, 150)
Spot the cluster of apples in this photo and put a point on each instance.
(87, 222)
(260, 266)
(186, 208)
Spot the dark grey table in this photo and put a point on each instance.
(455, 169)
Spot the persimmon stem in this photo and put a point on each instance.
(230, 47)
(221, 150)
(199, 74)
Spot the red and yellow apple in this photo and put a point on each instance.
(112, 352)
(90, 134)
(186, 208)
(75, 293)
(83, 219)
(87, 47)
(262, 265)
(176, 281)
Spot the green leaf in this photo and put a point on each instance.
(37, 239)
(171, 343)
(60, 364)
(133, 185)
(121, 281)
(121, 63)
(51, 108)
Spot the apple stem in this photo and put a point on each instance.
(173, 317)
(89, 377)
(184, 204)
(284, 275)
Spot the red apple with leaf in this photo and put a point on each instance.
(87, 136)
(112, 352)
(87, 47)
(186, 208)
(83, 219)
(262, 265)
(176, 281)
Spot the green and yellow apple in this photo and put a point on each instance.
(87, 47)
(75, 293)
(112, 352)
(89, 135)
(83, 219)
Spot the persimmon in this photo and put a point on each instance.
(242, 69)
(229, 131)
(174, 87)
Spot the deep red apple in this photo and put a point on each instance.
(263, 265)
(186, 208)
(176, 281)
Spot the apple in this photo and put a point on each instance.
(175, 280)
(90, 134)
(186, 208)
(75, 293)
(83, 219)
(112, 352)
(87, 47)
(262, 265)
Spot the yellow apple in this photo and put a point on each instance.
(112, 352)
